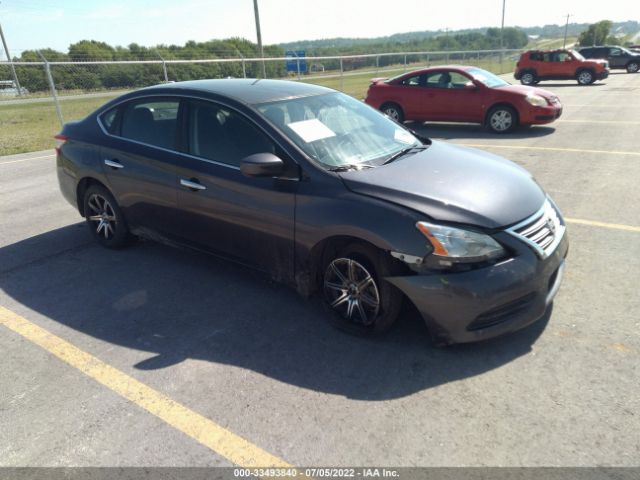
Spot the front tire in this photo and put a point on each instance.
(633, 67)
(393, 111)
(585, 77)
(502, 119)
(361, 302)
(104, 218)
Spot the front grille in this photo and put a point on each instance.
(542, 231)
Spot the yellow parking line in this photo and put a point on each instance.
(25, 159)
(623, 122)
(551, 149)
(234, 448)
(613, 226)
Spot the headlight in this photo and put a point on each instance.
(455, 245)
(536, 100)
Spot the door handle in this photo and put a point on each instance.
(113, 164)
(193, 185)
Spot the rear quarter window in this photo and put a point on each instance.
(108, 120)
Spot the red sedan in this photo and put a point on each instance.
(462, 94)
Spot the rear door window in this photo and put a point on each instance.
(151, 121)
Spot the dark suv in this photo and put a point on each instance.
(618, 57)
(563, 64)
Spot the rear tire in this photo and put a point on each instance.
(393, 111)
(502, 119)
(529, 78)
(361, 302)
(633, 67)
(105, 219)
(585, 77)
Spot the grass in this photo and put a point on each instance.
(29, 127)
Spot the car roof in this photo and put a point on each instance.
(542, 50)
(246, 90)
(440, 67)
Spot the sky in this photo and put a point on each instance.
(32, 24)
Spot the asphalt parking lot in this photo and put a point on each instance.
(173, 358)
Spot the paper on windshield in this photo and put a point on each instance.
(403, 136)
(311, 130)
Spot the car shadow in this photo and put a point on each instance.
(451, 131)
(177, 305)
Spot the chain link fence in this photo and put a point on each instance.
(54, 92)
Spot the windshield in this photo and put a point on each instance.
(338, 130)
(577, 55)
(487, 78)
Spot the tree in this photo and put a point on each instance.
(596, 34)
(85, 50)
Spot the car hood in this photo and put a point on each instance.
(525, 90)
(452, 183)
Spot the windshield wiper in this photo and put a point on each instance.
(349, 166)
(403, 152)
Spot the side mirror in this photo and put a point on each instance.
(470, 86)
(262, 165)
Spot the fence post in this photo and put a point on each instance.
(428, 61)
(405, 63)
(244, 69)
(164, 68)
(377, 64)
(11, 65)
(478, 63)
(341, 76)
(52, 86)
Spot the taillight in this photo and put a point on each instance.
(60, 141)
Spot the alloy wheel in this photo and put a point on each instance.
(350, 289)
(392, 112)
(501, 120)
(633, 67)
(102, 216)
(585, 78)
(527, 79)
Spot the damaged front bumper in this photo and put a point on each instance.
(487, 302)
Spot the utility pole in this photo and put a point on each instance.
(502, 26)
(10, 60)
(257, 15)
(566, 26)
(502, 35)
